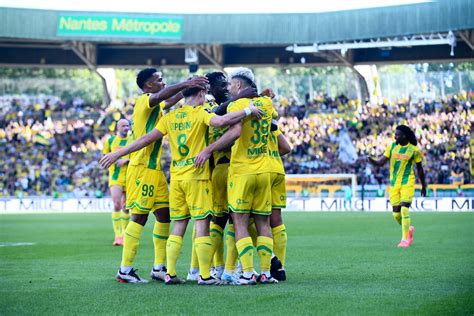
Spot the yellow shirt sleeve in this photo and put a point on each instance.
(277, 132)
(162, 125)
(387, 151)
(206, 117)
(106, 146)
(417, 156)
(237, 105)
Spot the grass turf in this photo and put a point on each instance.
(338, 263)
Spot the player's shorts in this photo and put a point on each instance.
(401, 193)
(190, 198)
(278, 190)
(219, 189)
(147, 189)
(250, 193)
(118, 176)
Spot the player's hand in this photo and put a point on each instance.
(248, 93)
(201, 159)
(121, 162)
(268, 92)
(198, 81)
(106, 161)
(423, 191)
(258, 113)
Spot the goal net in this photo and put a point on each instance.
(321, 185)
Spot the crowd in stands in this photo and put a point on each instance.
(50, 147)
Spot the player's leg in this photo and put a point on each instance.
(245, 248)
(231, 253)
(280, 240)
(396, 214)
(407, 193)
(219, 221)
(395, 201)
(173, 248)
(138, 186)
(193, 274)
(264, 247)
(199, 195)
(241, 194)
(131, 243)
(261, 209)
(116, 193)
(161, 228)
(179, 214)
(161, 232)
(125, 215)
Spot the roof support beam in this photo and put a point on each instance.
(362, 83)
(213, 53)
(468, 37)
(87, 52)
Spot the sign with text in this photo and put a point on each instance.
(120, 26)
(93, 205)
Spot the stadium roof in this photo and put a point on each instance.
(67, 38)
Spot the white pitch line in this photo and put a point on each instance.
(15, 244)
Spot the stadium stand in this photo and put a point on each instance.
(51, 147)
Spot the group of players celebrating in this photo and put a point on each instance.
(225, 166)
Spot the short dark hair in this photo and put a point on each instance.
(191, 91)
(144, 75)
(213, 77)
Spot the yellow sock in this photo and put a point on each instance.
(253, 232)
(219, 255)
(216, 233)
(203, 247)
(194, 258)
(173, 247)
(116, 223)
(279, 242)
(264, 250)
(398, 217)
(231, 253)
(245, 250)
(124, 221)
(161, 231)
(405, 222)
(131, 241)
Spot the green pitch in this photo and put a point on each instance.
(338, 263)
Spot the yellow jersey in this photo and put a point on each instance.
(188, 133)
(402, 159)
(144, 118)
(250, 150)
(215, 133)
(113, 144)
(275, 158)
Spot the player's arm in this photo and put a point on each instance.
(173, 100)
(174, 89)
(107, 160)
(234, 117)
(223, 142)
(122, 161)
(421, 175)
(377, 162)
(245, 93)
(283, 146)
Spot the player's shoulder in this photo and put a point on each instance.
(414, 148)
(209, 105)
